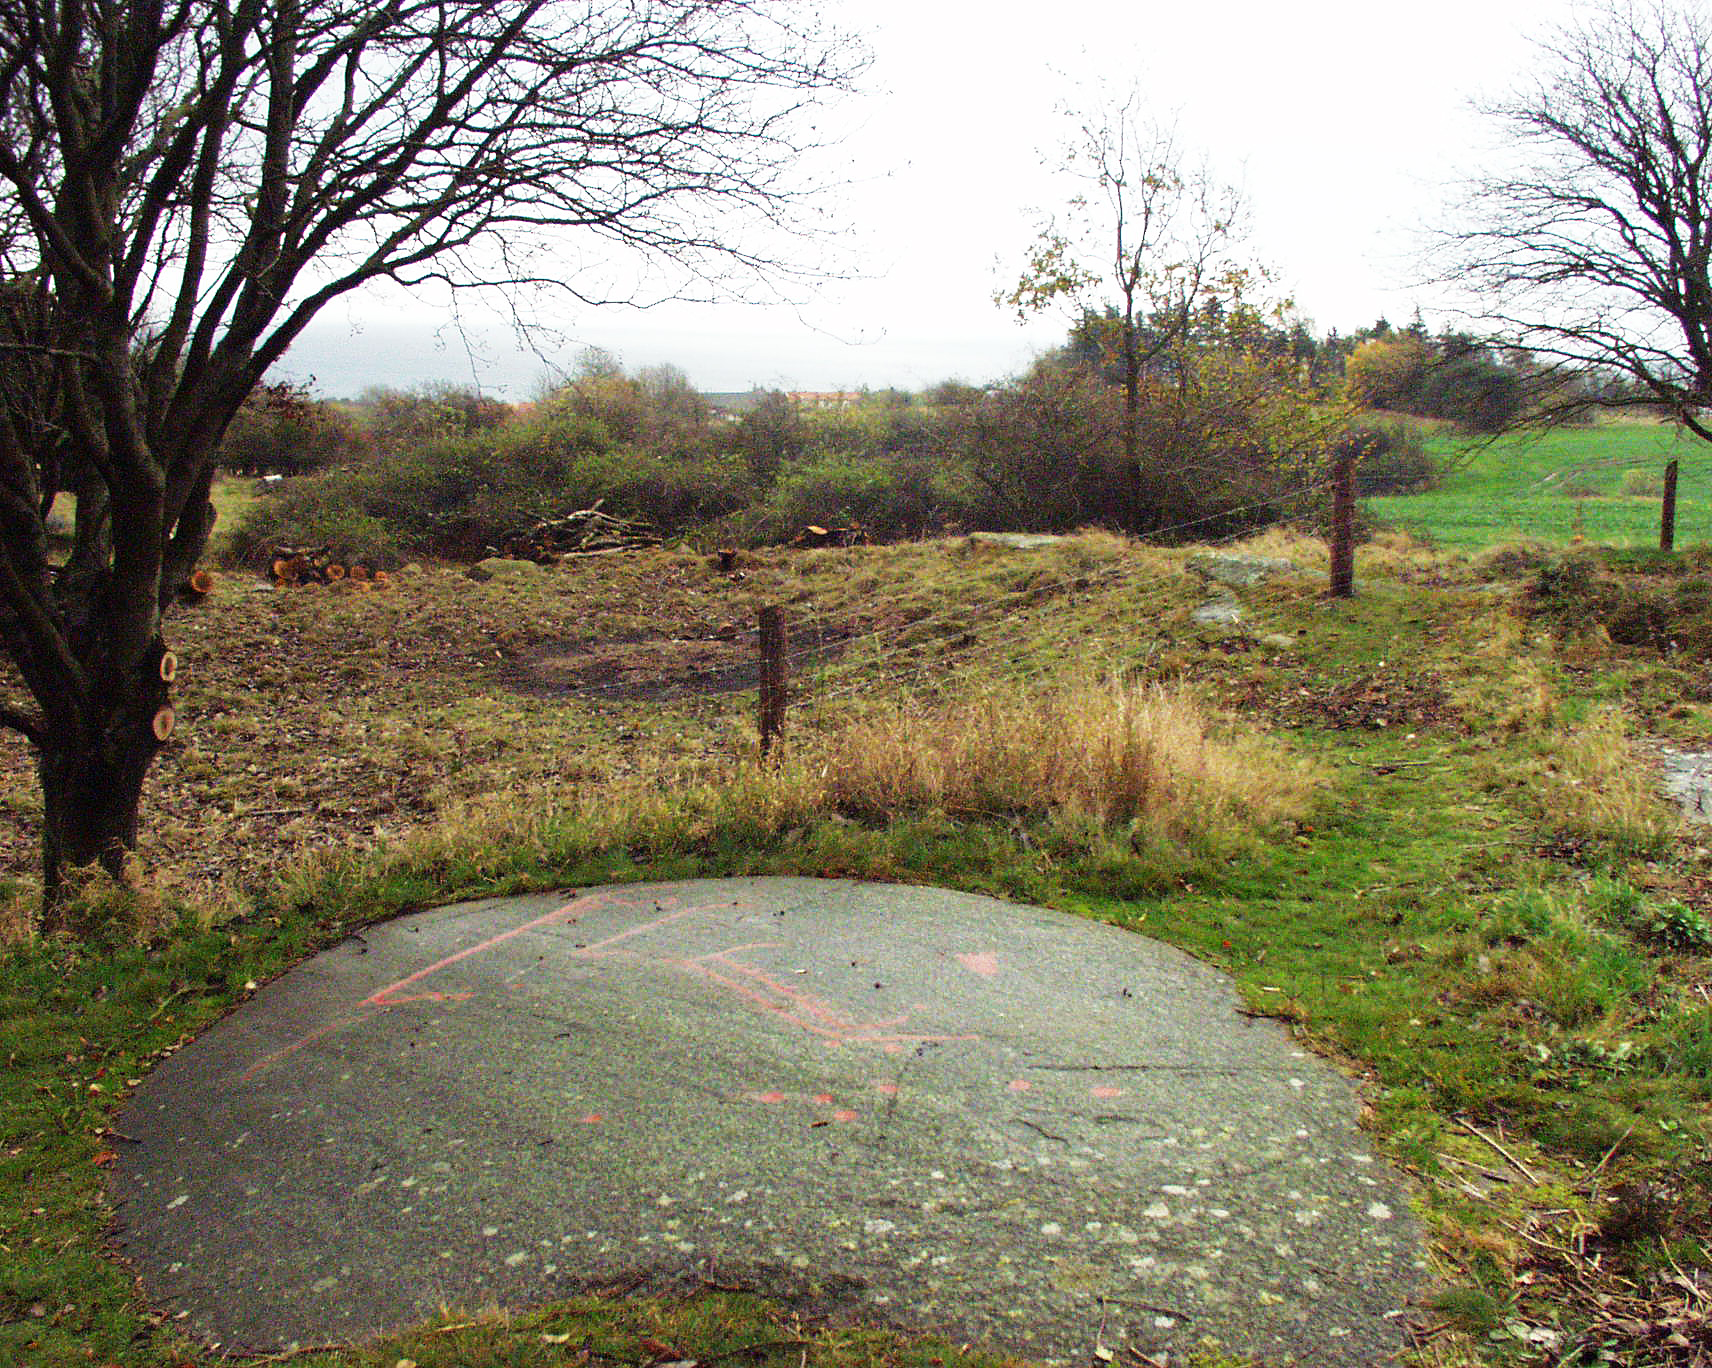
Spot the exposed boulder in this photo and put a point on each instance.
(1239, 572)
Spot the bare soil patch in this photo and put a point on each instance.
(659, 669)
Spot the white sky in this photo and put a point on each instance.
(1345, 121)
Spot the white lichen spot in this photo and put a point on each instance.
(512, 1260)
(1052, 1229)
(1175, 1190)
(1298, 1084)
(178, 1201)
(878, 1227)
(1219, 1213)
(1307, 1216)
(1158, 1212)
(1164, 1322)
(1362, 1158)
(488, 1232)
(741, 1195)
(1379, 1211)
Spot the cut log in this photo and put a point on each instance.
(359, 571)
(281, 568)
(334, 573)
(163, 723)
(168, 666)
(381, 579)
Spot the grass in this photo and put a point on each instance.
(1425, 844)
(1560, 487)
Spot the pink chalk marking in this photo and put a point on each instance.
(802, 1010)
(1019, 1085)
(388, 996)
(825, 1099)
(297, 1045)
(770, 1097)
(592, 1119)
(844, 1115)
(890, 1089)
(1106, 1092)
(983, 962)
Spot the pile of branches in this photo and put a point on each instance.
(587, 532)
(294, 566)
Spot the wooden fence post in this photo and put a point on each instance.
(1667, 514)
(1343, 526)
(774, 643)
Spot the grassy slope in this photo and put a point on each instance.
(1471, 921)
(1526, 487)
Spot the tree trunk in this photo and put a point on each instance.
(92, 793)
(1132, 421)
(90, 810)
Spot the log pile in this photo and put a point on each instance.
(814, 535)
(294, 566)
(587, 532)
(197, 587)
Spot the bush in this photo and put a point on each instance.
(889, 498)
(459, 495)
(282, 430)
(1394, 459)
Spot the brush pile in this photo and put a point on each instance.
(587, 532)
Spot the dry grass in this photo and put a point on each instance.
(1594, 786)
(1101, 751)
(1500, 684)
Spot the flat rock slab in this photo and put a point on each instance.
(920, 1107)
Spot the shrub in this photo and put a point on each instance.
(1394, 459)
(460, 495)
(282, 430)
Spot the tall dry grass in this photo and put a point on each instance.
(1105, 752)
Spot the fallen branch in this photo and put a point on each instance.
(1513, 1161)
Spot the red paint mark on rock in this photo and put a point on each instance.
(844, 1115)
(770, 1097)
(983, 962)
(592, 1119)
(1106, 1092)
(825, 1099)
(890, 1089)
(1019, 1085)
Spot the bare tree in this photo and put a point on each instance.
(1590, 249)
(1160, 236)
(185, 183)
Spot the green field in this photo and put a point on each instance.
(1551, 487)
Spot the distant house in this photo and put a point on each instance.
(733, 404)
(825, 399)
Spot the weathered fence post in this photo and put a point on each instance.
(774, 643)
(1667, 514)
(1343, 525)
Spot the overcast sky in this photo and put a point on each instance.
(1345, 124)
